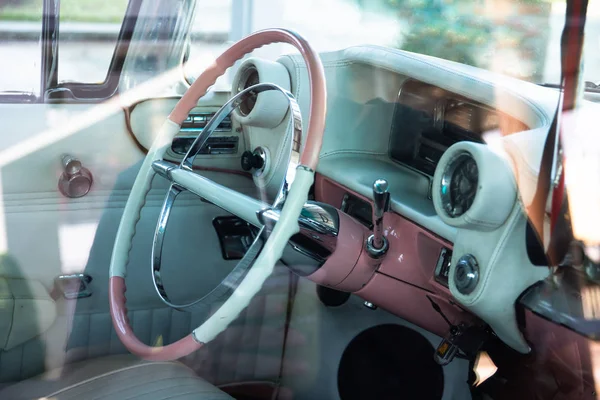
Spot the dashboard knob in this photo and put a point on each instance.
(377, 244)
(252, 160)
(466, 274)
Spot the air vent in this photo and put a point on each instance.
(197, 122)
(459, 185)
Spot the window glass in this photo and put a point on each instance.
(209, 36)
(88, 35)
(20, 48)
(157, 45)
(519, 38)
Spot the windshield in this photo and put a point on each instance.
(519, 38)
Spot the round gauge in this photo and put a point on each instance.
(459, 185)
(249, 78)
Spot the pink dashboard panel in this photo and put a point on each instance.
(405, 277)
(411, 303)
(563, 364)
(413, 252)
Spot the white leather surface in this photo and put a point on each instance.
(497, 243)
(525, 152)
(269, 125)
(26, 311)
(505, 272)
(408, 188)
(360, 103)
(47, 235)
(496, 188)
(271, 106)
(117, 377)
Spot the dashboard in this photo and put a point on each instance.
(452, 141)
(417, 122)
(459, 147)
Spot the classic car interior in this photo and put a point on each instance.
(346, 224)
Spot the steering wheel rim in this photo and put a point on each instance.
(283, 230)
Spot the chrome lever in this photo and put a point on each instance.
(377, 244)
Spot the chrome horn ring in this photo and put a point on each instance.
(165, 169)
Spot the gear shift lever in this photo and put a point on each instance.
(377, 244)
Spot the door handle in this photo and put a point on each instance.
(73, 286)
(76, 180)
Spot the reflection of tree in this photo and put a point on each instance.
(508, 36)
(9, 2)
(438, 31)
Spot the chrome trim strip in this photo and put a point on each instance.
(164, 168)
(318, 221)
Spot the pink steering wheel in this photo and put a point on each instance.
(284, 229)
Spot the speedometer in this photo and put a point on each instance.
(249, 78)
(459, 185)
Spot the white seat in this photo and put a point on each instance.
(116, 377)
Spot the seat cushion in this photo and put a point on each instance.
(116, 377)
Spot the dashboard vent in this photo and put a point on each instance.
(197, 122)
(442, 267)
(459, 185)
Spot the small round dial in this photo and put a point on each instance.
(459, 185)
(250, 78)
(466, 274)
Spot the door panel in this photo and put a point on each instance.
(44, 234)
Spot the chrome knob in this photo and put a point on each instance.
(381, 200)
(76, 180)
(466, 274)
(376, 243)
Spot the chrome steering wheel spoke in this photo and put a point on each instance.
(247, 208)
(229, 200)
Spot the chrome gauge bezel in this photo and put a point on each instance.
(446, 182)
(466, 274)
(243, 85)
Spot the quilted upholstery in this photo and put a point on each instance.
(250, 349)
(116, 377)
